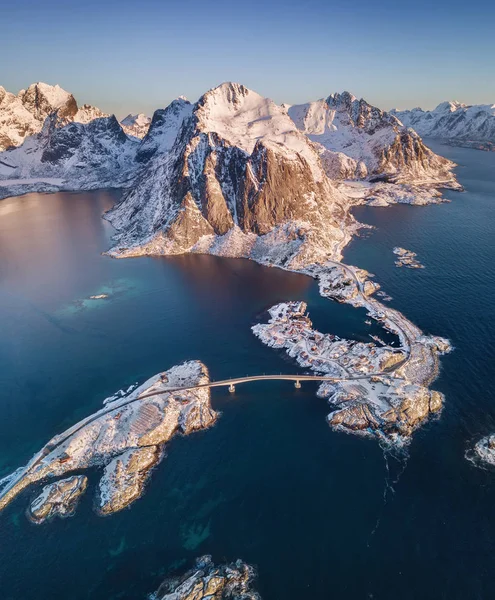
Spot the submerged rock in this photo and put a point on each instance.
(483, 452)
(205, 580)
(58, 499)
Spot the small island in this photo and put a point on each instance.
(406, 258)
(126, 438)
(483, 452)
(58, 499)
(206, 581)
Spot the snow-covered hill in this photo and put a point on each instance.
(136, 125)
(458, 123)
(23, 114)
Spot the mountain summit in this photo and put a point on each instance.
(237, 167)
(358, 140)
(23, 114)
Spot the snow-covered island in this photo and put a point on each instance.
(206, 581)
(406, 258)
(483, 452)
(58, 499)
(378, 391)
(126, 439)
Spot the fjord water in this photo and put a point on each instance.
(270, 483)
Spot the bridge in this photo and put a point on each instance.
(231, 383)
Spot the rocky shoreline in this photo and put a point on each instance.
(378, 391)
(483, 452)
(231, 581)
(58, 499)
(126, 439)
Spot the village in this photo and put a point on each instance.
(291, 328)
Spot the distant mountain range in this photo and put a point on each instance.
(232, 174)
(460, 124)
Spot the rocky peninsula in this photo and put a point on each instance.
(379, 391)
(126, 438)
(231, 581)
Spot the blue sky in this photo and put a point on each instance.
(125, 56)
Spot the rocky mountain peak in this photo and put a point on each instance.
(226, 93)
(448, 106)
(139, 119)
(343, 100)
(461, 124)
(23, 114)
(163, 129)
(136, 125)
(42, 99)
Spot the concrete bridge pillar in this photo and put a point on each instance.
(231, 388)
(297, 385)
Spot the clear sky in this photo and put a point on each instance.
(129, 56)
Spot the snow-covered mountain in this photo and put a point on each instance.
(136, 125)
(233, 173)
(230, 175)
(69, 156)
(458, 123)
(23, 114)
(357, 140)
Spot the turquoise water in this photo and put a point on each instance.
(270, 483)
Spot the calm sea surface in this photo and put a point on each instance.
(270, 483)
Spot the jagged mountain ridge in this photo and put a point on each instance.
(358, 140)
(453, 121)
(247, 164)
(23, 114)
(87, 155)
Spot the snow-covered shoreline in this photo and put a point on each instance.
(126, 438)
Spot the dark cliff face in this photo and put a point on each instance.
(276, 191)
(61, 141)
(164, 127)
